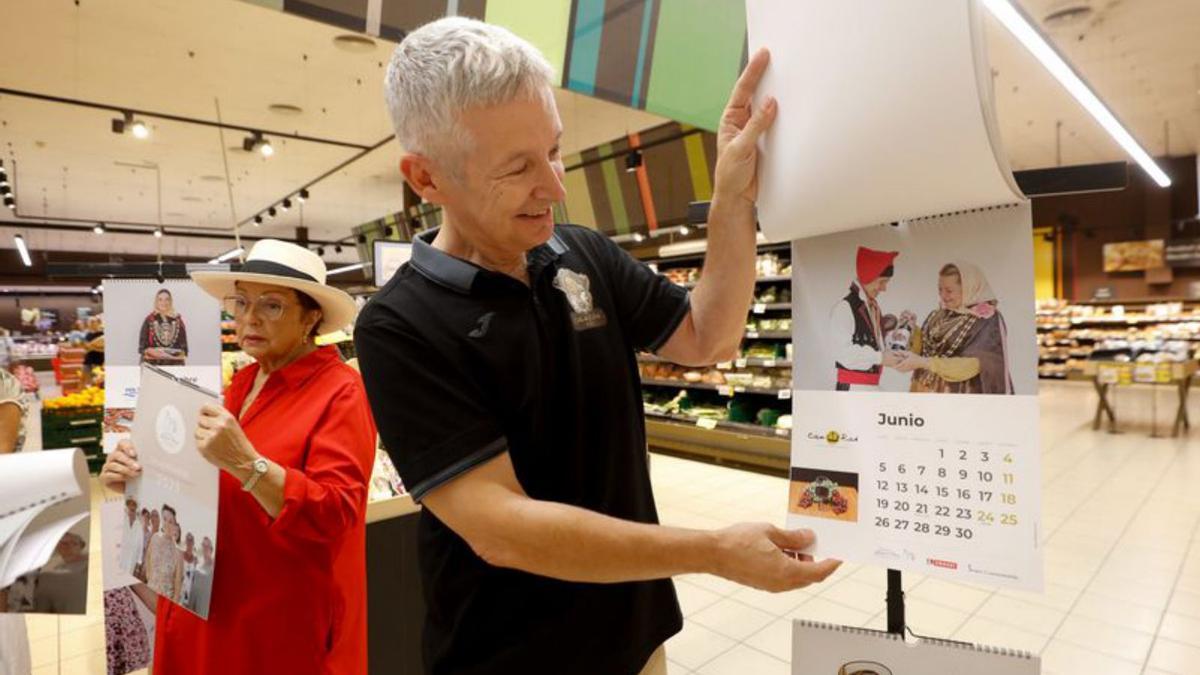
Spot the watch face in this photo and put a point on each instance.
(260, 466)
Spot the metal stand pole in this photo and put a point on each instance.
(895, 603)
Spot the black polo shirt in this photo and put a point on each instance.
(461, 364)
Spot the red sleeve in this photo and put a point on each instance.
(329, 496)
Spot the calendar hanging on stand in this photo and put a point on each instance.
(915, 417)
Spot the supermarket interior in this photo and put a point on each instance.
(142, 143)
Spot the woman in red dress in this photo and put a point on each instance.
(295, 443)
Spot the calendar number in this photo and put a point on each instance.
(1008, 498)
(1008, 519)
(963, 514)
(963, 533)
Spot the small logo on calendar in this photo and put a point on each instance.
(945, 564)
(832, 437)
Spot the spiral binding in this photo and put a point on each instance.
(981, 209)
(45, 501)
(870, 632)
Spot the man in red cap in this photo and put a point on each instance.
(857, 323)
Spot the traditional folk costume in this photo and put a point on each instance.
(857, 325)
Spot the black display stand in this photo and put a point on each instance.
(895, 603)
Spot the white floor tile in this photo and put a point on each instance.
(1122, 643)
(693, 598)
(775, 639)
(1174, 657)
(742, 660)
(1021, 614)
(1181, 628)
(732, 619)
(696, 645)
(987, 632)
(1065, 658)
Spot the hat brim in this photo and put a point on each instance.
(337, 307)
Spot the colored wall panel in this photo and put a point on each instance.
(1043, 263)
(579, 209)
(544, 23)
(583, 55)
(697, 52)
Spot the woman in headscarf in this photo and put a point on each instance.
(961, 348)
(163, 338)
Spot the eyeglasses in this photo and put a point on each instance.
(267, 307)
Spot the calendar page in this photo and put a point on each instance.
(915, 415)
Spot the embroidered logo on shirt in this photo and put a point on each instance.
(576, 286)
(481, 328)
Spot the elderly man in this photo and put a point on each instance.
(500, 364)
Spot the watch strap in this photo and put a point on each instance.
(255, 474)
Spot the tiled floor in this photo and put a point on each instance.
(1121, 516)
(1121, 513)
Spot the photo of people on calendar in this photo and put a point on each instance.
(930, 306)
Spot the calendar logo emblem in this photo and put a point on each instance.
(833, 437)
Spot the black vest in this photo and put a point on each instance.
(864, 329)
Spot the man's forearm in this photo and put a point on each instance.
(567, 542)
(722, 299)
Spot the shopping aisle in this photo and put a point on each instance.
(1121, 515)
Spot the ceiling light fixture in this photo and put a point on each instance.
(1007, 12)
(255, 141)
(321, 251)
(302, 196)
(258, 220)
(337, 248)
(99, 228)
(347, 268)
(20, 242)
(286, 204)
(10, 202)
(126, 123)
(271, 212)
(632, 161)
(158, 233)
(228, 255)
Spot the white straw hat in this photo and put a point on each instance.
(284, 264)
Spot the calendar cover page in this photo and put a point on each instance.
(914, 443)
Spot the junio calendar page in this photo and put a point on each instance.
(915, 417)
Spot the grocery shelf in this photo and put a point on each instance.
(769, 335)
(709, 423)
(759, 280)
(753, 362)
(724, 445)
(725, 389)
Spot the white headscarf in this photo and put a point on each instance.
(975, 287)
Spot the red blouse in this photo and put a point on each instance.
(289, 594)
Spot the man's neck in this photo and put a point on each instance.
(448, 240)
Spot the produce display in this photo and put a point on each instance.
(89, 398)
(1071, 335)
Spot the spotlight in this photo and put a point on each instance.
(10, 202)
(99, 228)
(337, 248)
(126, 123)
(3, 179)
(258, 220)
(255, 141)
(302, 196)
(20, 242)
(271, 212)
(632, 161)
(287, 204)
(362, 238)
(158, 233)
(321, 251)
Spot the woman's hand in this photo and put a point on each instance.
(120, 466)
(910, 362)
(222, 442)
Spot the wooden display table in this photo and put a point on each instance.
(1104, 375)
(395, 602)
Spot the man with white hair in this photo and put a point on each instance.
(500, 364)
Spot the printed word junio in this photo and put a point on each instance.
(911, 420)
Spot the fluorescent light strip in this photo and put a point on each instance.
(20, 241)
(228, 255)
(347, 268)
(1020, 26)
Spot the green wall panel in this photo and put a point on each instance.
(543, 22)
(698, 52)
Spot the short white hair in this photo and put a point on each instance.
(451, 65)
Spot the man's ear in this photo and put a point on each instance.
(423, 177)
